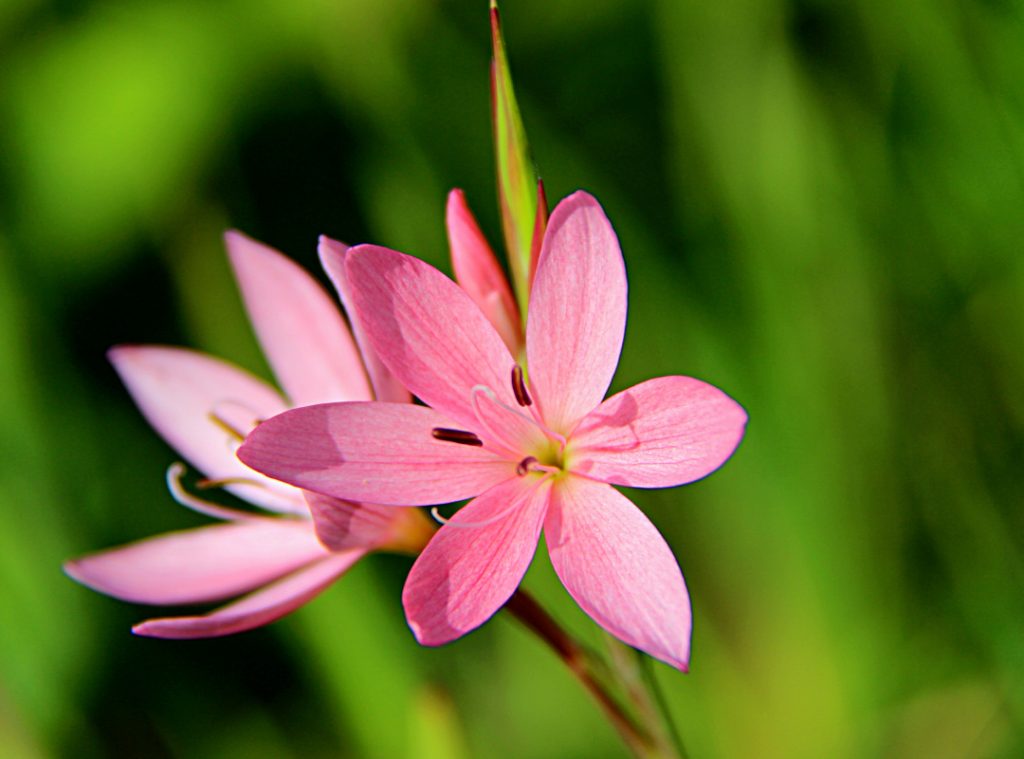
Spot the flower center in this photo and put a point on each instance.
(518, 434)
(552, 455)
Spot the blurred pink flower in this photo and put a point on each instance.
(203, 407)
(539, 454)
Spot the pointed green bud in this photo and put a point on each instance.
(540, 225)
(517, 179)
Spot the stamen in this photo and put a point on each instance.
(456, 436)
(225, 426)
(500, 515)
(174, 474)
(505, 512)
(524, 466)
(223, 482)
(556, 436)
(497, 439)
(519, 387)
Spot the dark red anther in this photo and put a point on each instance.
(456, 436)
(519, 386)
(524, 466)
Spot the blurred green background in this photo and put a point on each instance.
(821, 207)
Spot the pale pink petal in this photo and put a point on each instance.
(386, 386)
(374, 452)
(618, 568)
(478, 272)
(198, 403)
(476, 561)
(577, 313)
(300, 329)
(347, 524)
(660, 433)
(427, 331)
(259, 608)
(508, 431)
(204, 564)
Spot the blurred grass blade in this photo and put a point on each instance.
(517, 180)
(435, 728)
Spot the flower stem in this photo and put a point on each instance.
(659, 698)
(641, 740)
(634, 671)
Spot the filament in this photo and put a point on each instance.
(217, 416)
(507, 447)
(497, 517)
(224, 425)
(174, 474)
(223, 482)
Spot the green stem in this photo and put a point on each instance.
(659, 698)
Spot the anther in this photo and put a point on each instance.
(456, 436)
(524, 466)
(519, 387)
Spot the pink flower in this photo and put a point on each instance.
(203, 407)
(541, 453)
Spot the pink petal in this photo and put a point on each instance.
(478, 273)
(618, 568)
(476, 561)
(347, 524)
(259, 608)
(204, 564)
(660, 433)
(386, 386)
(577, 312)
(301, 331)
(372, 452)
(189, 397)
(508, 431)
(428, 331)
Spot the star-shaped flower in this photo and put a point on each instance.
(535, 449)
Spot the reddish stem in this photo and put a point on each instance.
(581, 663)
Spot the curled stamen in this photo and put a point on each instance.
(174, 474)
(505, 512)
(456, 436)
(524, 466)
(500, 515)
(519, 387)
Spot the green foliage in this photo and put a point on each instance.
(820, 208)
